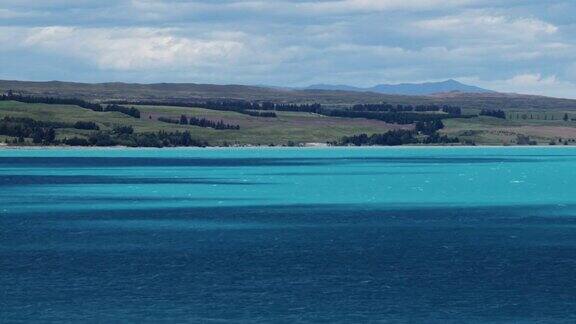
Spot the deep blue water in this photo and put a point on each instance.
(474, 235)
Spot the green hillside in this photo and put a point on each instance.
(288, 127)
(521, 126)
(192, 91)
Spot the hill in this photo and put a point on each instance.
(528, 119)
(191, 91)
(286, 128)
(418, 89)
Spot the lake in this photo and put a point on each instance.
(288, 235)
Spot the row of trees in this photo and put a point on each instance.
(10, 95)
(31, 123)
(395, 138)
(40, 131)
(403, 114)
(429, 127)
(493, 113)
(402, 118)
(149, 139)
(386, 107)
(436, 138)
(265, 114)
(524, 116)
(20, 128)
(239, 106)
(390, 138)
(130, 111)
(201, 122)
(310, 108)
(44, 133)
(88, 125)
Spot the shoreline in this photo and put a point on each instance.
(7, 147)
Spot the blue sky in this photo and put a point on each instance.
(507, 45)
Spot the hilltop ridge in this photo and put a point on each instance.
(192, 91)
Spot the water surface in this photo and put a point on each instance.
(288, 235)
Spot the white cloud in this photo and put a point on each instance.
(156, 8)
(11, 14)
(137, 48)
(381, 5)
(531, 83)
(532, 80)
(480, 25)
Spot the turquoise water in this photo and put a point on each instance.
(268, 235)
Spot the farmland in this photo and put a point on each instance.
(287, 128)
(224, 122)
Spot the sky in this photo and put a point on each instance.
(523, 46)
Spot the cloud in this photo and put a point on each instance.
(302, 7)
(292, 42)
(11, 14)
(347, 6)
(136, 48)
(532, 83)
(532, 80)
(479, 25)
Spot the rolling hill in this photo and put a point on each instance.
(191, 91)
(417, 89)
(533, 119)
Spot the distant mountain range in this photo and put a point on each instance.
(448, 94)
(414, 89)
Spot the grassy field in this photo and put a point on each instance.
(288, 127)
(541, 126)
(494, 131)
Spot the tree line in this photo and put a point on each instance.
(87, 125)
(493, 113)
(402, 118)
(247, 107)
(201, 122)
(21, 128)
(238, 106)
(44, 133)
(11, 96)
(386, 107)
(309, 108)
(429, 127)
(41, 132)
(537, 116)
(264, 114)
(131, 139)
(390, 138)
(395, 138)
(130, 111)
